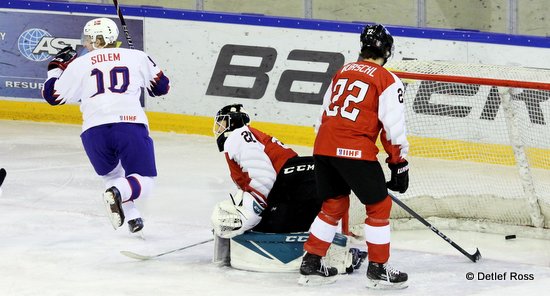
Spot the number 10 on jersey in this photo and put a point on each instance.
(116, 74)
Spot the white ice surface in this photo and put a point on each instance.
(56, 240)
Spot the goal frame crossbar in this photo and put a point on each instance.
(473, 80)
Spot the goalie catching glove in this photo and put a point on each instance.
(63, 58)
(234, 216)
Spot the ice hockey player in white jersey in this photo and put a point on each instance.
(276, 187)
(108, 81)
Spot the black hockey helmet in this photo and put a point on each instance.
(228, 119)
(376, 42)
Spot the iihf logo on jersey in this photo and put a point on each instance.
(38, 45)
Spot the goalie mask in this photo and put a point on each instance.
(376, 42)
(228, 119)
(102, 28)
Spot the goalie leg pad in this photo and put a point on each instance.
(344, 258)
(221, 251)
(338, 254)
(267, 252)
(281, 252)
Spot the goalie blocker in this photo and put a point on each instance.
(280, 252)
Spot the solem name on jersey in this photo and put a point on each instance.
(105, 57)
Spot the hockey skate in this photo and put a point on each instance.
(135, 225)
(113, 205)
(381, 276)
(358, 257)
(313, 271)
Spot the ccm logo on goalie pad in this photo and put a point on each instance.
(299, 168)
(282, 247)
(296, 238)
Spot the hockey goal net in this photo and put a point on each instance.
(479, 148)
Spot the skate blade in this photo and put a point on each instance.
(316, 280)
(114, 217)
(138, 234)
(385, 285)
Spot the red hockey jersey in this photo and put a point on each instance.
(363, 101)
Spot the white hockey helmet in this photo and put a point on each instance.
(103, 27)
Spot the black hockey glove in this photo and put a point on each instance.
(399, 177)
(63, 58)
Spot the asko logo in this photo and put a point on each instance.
(422, 103)
(38, 45)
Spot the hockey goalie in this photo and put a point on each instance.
(262, 227)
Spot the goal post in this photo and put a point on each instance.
(479, 146)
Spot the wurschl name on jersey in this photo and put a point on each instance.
(365, 69)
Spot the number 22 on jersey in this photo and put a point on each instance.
(345, 110)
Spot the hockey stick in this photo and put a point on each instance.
(474, 257)
(123, 23)
(146, 257)
(2, 175)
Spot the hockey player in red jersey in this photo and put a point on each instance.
(363, 101)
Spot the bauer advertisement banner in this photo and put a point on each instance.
(281, 74)
(28, 41)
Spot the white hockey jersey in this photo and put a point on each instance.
(108, 83)
(254, 160)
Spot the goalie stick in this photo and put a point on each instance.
(148, 257)
(474, 257)
(123, 23)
